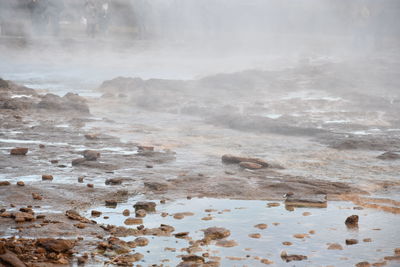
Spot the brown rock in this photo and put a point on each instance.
(367, 240)
(351, 241)
(37, 196)
(397, 251)
(141, 241)
(266, 261)
(226, 243)
(126, 212)
(4, 183)
(352, 221)
(147, 206)
(193, 258)
(363, 264)
(42, 146)
(250, 165)
(182, 235)
(56, 245)
(91, 136)
(300, 236)
(287, 243)
(273, 204)
(91, 155)
(19, 151)
(261, 226)
(77, 162)
(23, 217)
(214, 233)
(294, 257)
(132, 221)
(256, 235)
(80, 225)
(382, 263)
(114, 181)
(335, 246)
(47, 177)
(9, 258)
(111, 203)
(90, 185)
(96, 213)
(140, 213)
(20, 183)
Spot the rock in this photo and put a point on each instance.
(91, 136)
(20, 183)
(140, 213)
(54, 161)
(56, 245)
(80, 225)
(250, 165)
(226, 243)
(182, 235)
(389, 156)
(69, 102)
(256, 235)
(96, 213)
(352, 221)
(351, 242)
(81, 260)
(273, 204)
(77, 162)
(266, 261)
(367, 240)
(19, 151)
(156, 186)
(128, 259)
(74, 215)
(397, 251)
(91, 155)
(392, 258)
(36, 196)
(294, 257)
(297, 200)
(235, 159)
(9, 258)
(114, 181)
(80, 179)
(23, 217)
(141, 241)
(132, 221)
(193, 258)
(287, 243)
(4, 183)
(42, 146)
(335, 246)
(126, 212)
(363, 264)
(111, 203)
(214, 233)
(47, 177)
(90, 185)
(147, 206)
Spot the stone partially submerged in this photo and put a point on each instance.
(299, 200)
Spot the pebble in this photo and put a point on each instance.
(47, 177)
(20, 183)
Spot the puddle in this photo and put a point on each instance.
(328, 224)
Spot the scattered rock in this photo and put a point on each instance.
(91, 155)
(140, 213)
(37, 196)
(132, 221)
(226, 243)
(19, 151)
(91, 136)
(147, 206)
(335, 246)
(141, 241)
(56, 245)
(96, 213)
(256, 235)
(23, 217)
(114, 181)
(352, 221)
(294, 257)
(47, 177)
(351, 241)
(214, 233)
(4, 183)
(20, 183)
(126, 212)
(363, 264)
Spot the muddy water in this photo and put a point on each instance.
(240, 217)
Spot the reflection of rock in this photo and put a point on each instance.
(298, 200)
(352, 221)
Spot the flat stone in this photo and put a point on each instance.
(298, 200)
(19, 151)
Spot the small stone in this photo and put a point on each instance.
(42, 146)
(132, 221)
(149, 166)
(335, 246)
(4, 183)
(294, 257)
(367, 240)
(81, 260)
(179, 216)
(266, 261)
(352, 221)
(90, 185)
(214, 233)
(114, 181)
(80, 179)
(80, 225)
(126, 212)
(91, 136)
(351, 241)
(141, 241)
(256, 235)
(96, 213)
(300, 236)
(363, 264)
(140, 213)
(287, 243)
(54, 161)
(261, 226)
(19, 151)
(306, 213)
(182, 235)
(47, 177)
(36, 196)
(164, 214)
(111, 203)
(20, 183)
(226, 243)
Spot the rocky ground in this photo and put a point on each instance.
(165, 139)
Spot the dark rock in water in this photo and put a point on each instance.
(352, 221)
(250, 165)
(156, 186)
(47, 177)
(147, 206)
(294, 257)
(236, 159)
(111, 203)
(91, 155)
(19, 151)
(96, 213)
(56, 245)
(182, 235)
(298, 200)
(351, 241)
(214, 233)
(4, 183)
(20, 183)
(70, 101)
(389, 156)
(114, 181)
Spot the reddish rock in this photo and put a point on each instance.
(19, 151)
(90, 185)
(47, 177)
(126, 212)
